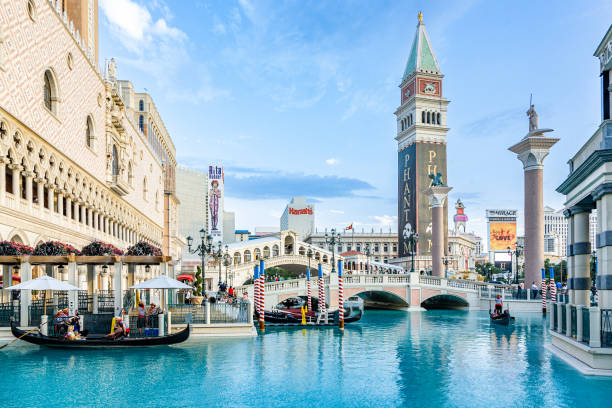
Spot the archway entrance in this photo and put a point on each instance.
(444, 302)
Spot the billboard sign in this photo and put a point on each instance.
(215, 202)
(502, 235)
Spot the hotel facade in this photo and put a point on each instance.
(82, 156)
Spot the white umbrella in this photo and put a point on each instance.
(43, 283)
(161, 282)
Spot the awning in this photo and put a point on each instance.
(185, 276)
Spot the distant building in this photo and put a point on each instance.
(192, 193)
(229, 227)
(241, 235)
(382, 245)
(299, 217)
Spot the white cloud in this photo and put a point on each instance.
(385, 220)
(336, 211)
(332, 161)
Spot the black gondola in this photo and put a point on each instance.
(503, 319)
(288, 312)
(99, 342)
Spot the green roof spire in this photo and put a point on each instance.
(422, 58)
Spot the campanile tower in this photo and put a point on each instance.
(421, 138)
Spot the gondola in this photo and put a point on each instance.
(99, 342)
(503, 319)
(289, 313)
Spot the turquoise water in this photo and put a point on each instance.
(390, 358)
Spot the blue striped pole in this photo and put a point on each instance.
(262, 294)
(553, 288)
(256, 288)
(543, 291)
(308, 290)
(322, 308)
(340, 297)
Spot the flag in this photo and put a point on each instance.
(350, 227)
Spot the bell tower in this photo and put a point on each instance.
(421, 139)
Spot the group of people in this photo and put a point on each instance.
(66, 325)
(146, 316)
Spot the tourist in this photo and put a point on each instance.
(519, 291)
(231, 291)
(245, 296)
(152, 312)
(534, 290)
(141, 322)
(119, 330)
(498, 304)
(61, 322)
(188, 297)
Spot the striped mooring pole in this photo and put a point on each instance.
(553, 287)
(543, 291)
(262, 295)
(308, 290)
(322, 308)
(340, 297)
(256, 290)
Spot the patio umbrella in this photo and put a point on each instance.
(43, 283)
(161, 282)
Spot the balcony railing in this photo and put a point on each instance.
(563, 320)
(119, 185)
(606, 327)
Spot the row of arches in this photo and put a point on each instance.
(432, 118)
(36, 173)
(407, 122)
(266, 252)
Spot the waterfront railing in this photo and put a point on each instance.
(554, 317)
(573, 319)
(563, 320)
(217, 312)
(606, 327)
(586, 325)
(8, 310)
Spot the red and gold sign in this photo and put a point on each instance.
(502, 235)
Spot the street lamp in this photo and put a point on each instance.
(368, 253)
(412, 238)
(309, 255)
(446, 260)
(201, 250)
(519, 252)
(332, 239)
(218, 255)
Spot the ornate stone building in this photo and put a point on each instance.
(74, 164)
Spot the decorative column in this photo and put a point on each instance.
(437, 197)
(603, 197)
(77, 210)
(60, 203)
(94, 219)
(73, 295)
(16, 169)
(83, 218)
(28, 186)
(50, 188)
(118, 286)
(2, 179)
(26, 295)
(40, 191)
(532, 151)
(580, 281)
(68, 207)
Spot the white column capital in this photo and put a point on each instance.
(532, 150)
(437, 195)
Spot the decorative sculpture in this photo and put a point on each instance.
(533, 118)
(436, 180)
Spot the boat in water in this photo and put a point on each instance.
(289, 312)
(503, 319)
(99, 341)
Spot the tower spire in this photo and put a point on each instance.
(422, 58)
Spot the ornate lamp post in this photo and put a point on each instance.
(332, 239)
(412, 238)
(219, 255)
(226, 262)
(518, 252)
(368, 254)
(201, 250)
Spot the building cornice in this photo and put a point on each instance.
(597, 159)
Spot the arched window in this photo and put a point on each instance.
(144, 189)
(266, 252)
(274, 249)
(257, 253)
(115, 161)
(50, 92)
(141, 106)
(247, 256)
(89, 132)
(423, 117)
(237, 258)
(438, 118)
(157, 200)
(428, 117)
(141, 122)
(402, 122)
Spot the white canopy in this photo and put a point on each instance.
(43, 283)
(161, 282)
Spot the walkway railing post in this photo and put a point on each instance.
(207, 319)
(551, 324)
(559, 319)
(250, 311)
(579, 322)
(568, 320)
(595, 332)
(95, 305)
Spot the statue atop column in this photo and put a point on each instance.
(436, 180)
(533, 118)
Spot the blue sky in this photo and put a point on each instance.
(297, 97)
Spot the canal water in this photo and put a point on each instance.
(389, 358)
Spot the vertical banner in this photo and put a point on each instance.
(407, 194)
(215, 202)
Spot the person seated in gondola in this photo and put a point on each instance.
(498, 305)
(61, 321)
(119, 330)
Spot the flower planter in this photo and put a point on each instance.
(196, 300)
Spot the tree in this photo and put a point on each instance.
(198, 282)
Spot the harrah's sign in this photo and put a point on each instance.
(303, 211)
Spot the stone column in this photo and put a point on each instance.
(532, 151)
(26, 295)
(16, 176)
(50, 188)
(40, 191)
(77, 211)
(6, 277)
(89, 218)
(2, 179)
(603, 197)
(437, 197)
(73, 295)
(83, 218)
(60, 204)
(94, 219)
(28, 187)
(580, 282)
(69, 208)
(118, 287)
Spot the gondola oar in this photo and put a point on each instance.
(23, 335)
